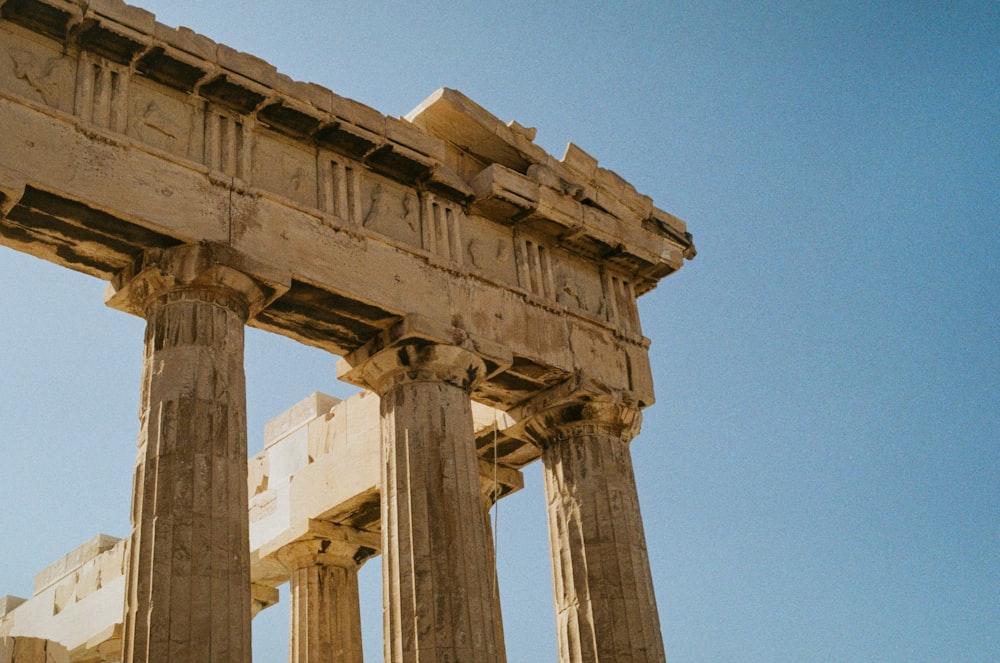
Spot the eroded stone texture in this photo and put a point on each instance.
(126, 138)
(437, 572)
(325, 624)
(31, 650)
(188, 582)
(605, 605)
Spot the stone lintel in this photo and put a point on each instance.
(580, 400)
(206, 264)
(416, 344)
(306, 410)
(73, 560)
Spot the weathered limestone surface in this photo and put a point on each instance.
(444, 255)
(326, 610)
(184, 140)
(605, 605)
(31, 650)
(437, 579)
(188, 587)
(77, 600)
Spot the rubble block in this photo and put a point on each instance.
(31, 650)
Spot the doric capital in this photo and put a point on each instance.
(330, 545)
(419, 350)
(211, 271)
(579, 406)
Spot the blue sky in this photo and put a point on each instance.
(820, 475)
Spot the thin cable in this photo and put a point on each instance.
(496, 492)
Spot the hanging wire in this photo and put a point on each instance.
(496, 489)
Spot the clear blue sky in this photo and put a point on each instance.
(820, 475)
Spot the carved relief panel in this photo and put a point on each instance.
(578, 285)
(285, 167)
(490, 249)
(36, 71)
(391, 210)
(165, 119)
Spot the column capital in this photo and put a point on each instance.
(330, 545)
(417, 349)
(578, 406)
(216, 271)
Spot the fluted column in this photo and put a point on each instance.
(325, 624)
(437, 573)
(492, 489)
(605, 605)
(188, 581)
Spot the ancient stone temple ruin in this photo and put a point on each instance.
(480, 291)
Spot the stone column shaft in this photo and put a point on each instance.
(188, 576)
(190, 543)
(437, 574)
(436, 552)
(325, 623)
(605, 605)
(325, 615)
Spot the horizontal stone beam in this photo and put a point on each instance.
(122, 135)
(95, 219)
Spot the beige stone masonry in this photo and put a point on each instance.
(325, 607)
(605, 604)
(446, 257)
(299, 491)
(8, 603)
(31, 650)
(450, 213)
(438, 577)
(188, 584)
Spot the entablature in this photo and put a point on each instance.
(166, 138)
(585, 209)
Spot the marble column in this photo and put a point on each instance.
(605, 605)
(437, 572)
(188, 576)
(325, 624)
